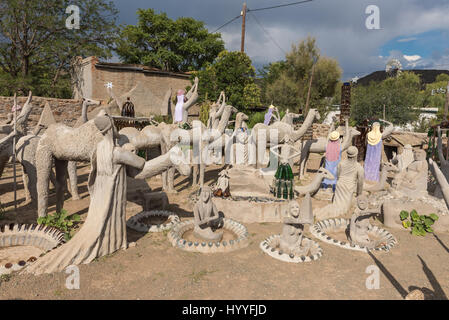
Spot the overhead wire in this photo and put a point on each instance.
(224, 25)
(280, 5)
(267, 33)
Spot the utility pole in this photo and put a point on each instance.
(243, 14)
(446, 105)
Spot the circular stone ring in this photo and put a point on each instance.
(135, 224)
(176, 239)
(320, 229)
(39, 236)
(271, 247)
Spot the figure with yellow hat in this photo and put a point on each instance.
(374, 150)
(332, 158)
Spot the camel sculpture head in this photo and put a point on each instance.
(354, 132)
(389, 166)
(325, 174)
(90, 102)
(180, 160)
(315, 113)
(240, 117)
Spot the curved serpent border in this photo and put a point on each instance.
(136, 225)
(320, 228)
(40, 236)
(269, 247)
(175, 237)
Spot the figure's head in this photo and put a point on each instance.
(419, 155)
(181, 92)
(130, 147)
(352, 152)
(206, 194)
(103, 123)
(362, 202)
(293, 208)
(395, 183)
(334, 136)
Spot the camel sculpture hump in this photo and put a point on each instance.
(67, 143)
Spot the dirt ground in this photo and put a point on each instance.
(153, 269)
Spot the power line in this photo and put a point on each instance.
(227, 23)
(266, 32)
(281, 5)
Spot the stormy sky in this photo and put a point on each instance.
(414, 31)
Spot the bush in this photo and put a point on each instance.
(419, 224)
(62, 222)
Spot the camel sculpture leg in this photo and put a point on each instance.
(3, 162)
(195, 175)
(61, 180)
(29, 181)
(73, 178)
(44, 161)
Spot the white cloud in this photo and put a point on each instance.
(412, 58)
(407, 39)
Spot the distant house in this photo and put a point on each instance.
(150, 84)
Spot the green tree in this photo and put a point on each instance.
(233, 73)
(36, 47)
(434, 95)
(172, 45)
(400, 95)
(286, 83)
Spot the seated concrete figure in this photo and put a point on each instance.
(222, 188)
(413, 180)
(293, 228)
(206, 217)
(360, 224)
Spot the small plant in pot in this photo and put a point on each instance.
(419, 224)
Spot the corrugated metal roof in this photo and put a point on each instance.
(140, 68)
(414, 139)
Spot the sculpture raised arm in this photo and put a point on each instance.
(388, 130)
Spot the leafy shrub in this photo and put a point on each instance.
(419, 224)
(61, 221)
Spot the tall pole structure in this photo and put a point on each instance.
(446, 105)
(14, 154)
(243, 14)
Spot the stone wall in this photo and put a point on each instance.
(64, 110)
(320, 130)
(150, 84)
